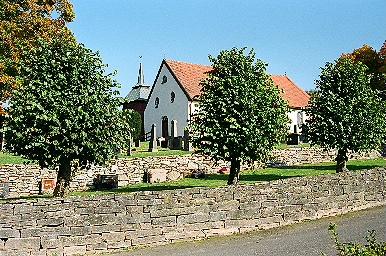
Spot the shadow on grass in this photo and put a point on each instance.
(151, 187)
(351, 167)
(255, 177)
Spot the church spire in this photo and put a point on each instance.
(141, 77)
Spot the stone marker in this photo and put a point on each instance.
(153, 139)
(175, 142)
(174, 132)
(156, 175)
(187, 142)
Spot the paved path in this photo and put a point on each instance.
(309, 238)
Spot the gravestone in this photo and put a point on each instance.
(4, 189)
(104, 181)
(47, 186)
(174, 129)
(153, 139)
(175, 142)
(187, 143)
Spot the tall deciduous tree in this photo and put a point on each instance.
(65, 110)
(375, 62)
(241, 115)
(135, 123)
(345, 113)
(22, 23)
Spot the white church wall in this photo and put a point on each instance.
(178, 110)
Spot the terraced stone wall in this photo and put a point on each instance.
(79, 225)
(23, 180)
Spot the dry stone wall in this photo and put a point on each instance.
(81, 225)
(24, 180)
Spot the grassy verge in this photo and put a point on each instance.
(142, 151)
(247, 177)
(6, 158)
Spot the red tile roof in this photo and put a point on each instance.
(296, 96)
(190, 75)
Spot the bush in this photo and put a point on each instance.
(372, 248)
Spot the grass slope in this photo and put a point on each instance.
(247, 177)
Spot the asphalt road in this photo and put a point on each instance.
(309, 238)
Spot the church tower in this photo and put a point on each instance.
(137, 98)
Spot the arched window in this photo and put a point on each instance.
(156, 103)
(164, 79)
(172, 97)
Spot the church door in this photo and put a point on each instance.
(165, 131)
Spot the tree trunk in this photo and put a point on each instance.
(234, 174)
(341, 160)
(63, 179)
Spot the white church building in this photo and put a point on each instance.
(176, 91)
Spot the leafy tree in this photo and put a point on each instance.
(22, 23)
(65, 110)
(345, 113)
(134, 121)
(241, 116)
(375, 63)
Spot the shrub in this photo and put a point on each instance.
(372, 248)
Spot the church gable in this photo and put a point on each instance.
(167, 101)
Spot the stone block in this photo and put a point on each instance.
(164, 221)
(23, 243)
(9, 233)
(75, 250)
(193, 218)
(157, 175)
(68, 241)
(119, 245)
(51, 242)
(102, 246)
(113, 237)
(220, 232)
(148, 240)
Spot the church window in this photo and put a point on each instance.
(164, 79)
(172, 97)
(156, 103)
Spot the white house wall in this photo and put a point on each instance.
(297, 117)
(178, 110)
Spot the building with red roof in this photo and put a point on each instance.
(177, 89)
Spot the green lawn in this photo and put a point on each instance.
(247, 177)
(142, 151)
(6, 158)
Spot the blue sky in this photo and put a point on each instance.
(294, 37)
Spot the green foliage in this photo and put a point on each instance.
(241, 116)
(135, 123)
(66, 109)
(345, 113)
(372, 248)
(376, 66)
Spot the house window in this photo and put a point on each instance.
(172, 97)
(164, 80)
(156, 103)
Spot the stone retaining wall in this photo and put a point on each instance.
(23, 180)
(79, 225)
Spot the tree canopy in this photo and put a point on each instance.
(375, 61)
(134, 121)
(22, 23)
(241, 113)
(65, 110)
(345, 113)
